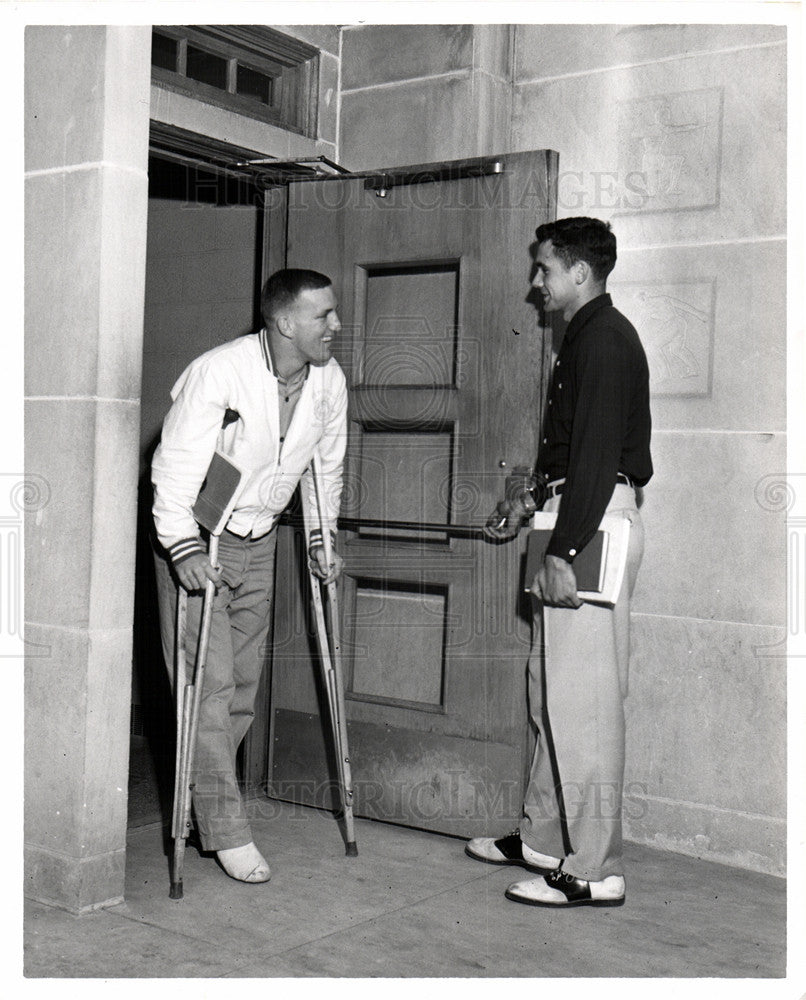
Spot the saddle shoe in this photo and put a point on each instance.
(559, 889)
(510, 850)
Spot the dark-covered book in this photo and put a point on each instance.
(218, 493)
(599, 567)
(589, 565)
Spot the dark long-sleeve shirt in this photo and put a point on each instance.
(597, 422)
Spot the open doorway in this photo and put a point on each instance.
(203, 271)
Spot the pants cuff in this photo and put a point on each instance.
(224, 841)
(542, 848)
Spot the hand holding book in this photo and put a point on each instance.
(599, 567)
(556, 584)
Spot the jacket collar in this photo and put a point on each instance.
(582, 315)
(265, 348)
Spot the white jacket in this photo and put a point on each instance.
(234, 376)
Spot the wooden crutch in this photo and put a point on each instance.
(212, 510)
(330, 655)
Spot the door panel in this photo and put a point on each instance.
(447, 367)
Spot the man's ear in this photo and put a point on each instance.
(582, 271)
(284, 325)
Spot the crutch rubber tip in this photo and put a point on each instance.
(352, 850)
(176, 890)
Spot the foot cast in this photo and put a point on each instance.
(555, 887)
(246, 864)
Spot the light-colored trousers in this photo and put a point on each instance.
(237, 651)
(577, 685)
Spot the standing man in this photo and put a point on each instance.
(595, 454)
(267, 401)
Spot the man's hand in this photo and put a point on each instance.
(506, 520)
(194, 572)
(556, 584)
(320, 568)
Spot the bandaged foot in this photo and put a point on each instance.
(246, 864)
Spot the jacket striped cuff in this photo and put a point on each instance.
(187, 547)
(316, 539)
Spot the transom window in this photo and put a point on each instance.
(249, 69)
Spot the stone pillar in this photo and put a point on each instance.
(86, 188)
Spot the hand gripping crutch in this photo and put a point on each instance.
(330, 655)
(188, 702)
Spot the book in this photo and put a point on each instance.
(599, 567)
(589, 565)
(218, 494)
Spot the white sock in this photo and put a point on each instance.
(612, 887)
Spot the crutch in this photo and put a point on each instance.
(330, 655)
(180, 680)
(188, 702)
(212, 510)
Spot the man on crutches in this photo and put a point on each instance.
(266, 402)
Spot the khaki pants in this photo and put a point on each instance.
(577, 686)
(237, 651)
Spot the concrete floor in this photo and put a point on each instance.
(410, 905)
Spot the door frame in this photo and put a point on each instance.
(197, 150)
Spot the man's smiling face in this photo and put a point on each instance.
(556, 283)
(314, 323)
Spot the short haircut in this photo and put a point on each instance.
(283, 287)
(581, 238)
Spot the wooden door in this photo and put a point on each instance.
(446, 363)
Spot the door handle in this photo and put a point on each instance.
(415, 527)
